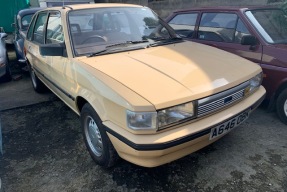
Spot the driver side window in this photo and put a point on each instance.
(54, 29)
(38, 35)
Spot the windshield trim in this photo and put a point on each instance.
(261, 31)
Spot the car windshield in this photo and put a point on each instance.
(270, 23)
(94, 31)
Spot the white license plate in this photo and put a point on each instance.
(228, 125)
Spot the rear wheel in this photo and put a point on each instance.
(96, 138)
(36, 82)
(281, 106)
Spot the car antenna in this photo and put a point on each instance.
(64, 6)
(67, 7)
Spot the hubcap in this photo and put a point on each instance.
(94, 137)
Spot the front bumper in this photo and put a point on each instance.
(166, 146)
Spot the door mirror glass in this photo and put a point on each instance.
(56, 49)
(248, 40)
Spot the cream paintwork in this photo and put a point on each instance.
(183, 67)
(159, 157)
(145, 80)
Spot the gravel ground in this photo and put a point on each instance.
(44, 151)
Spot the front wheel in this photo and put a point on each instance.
(281, 106)
(96, 139)
(36, 82)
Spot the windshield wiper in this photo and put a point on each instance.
(165, 41)
(107, 49)
(127, 43)
(98, 52)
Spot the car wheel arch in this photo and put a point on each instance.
(96, 105)
(281, 88)
(80, 102)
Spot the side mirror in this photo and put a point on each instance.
(3, 35)
(249, 40)
(56, 49)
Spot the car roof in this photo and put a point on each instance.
(29, 11)
(94, 5)
(226, 8)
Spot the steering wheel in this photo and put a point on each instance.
(94, 38)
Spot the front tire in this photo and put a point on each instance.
(281, 106)
(96, 138)
(36, 82)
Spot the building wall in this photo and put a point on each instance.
(164, 7)
(34, 3)
(49, 3)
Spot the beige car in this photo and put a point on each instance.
(142, 93)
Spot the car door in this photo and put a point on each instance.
(35, 38)
(61, 68)
(223, 30)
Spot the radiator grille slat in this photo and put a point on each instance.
(225, 100)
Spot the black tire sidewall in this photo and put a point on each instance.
(280, 106)
(39, 86)
(107, 157)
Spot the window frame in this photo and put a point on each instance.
(198, 13)
(31, 27)
(239, 17)
(219, 12)
(44, 27)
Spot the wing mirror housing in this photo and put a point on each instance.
(249, 40)
(56, 49)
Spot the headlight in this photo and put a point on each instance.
(141, 120)
(160, 119)
(254, 83)
(175, 114)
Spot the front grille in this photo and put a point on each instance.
(218, 101)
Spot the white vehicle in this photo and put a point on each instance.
(5, 73)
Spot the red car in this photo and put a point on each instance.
(258, 34)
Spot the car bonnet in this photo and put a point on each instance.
(176, 73)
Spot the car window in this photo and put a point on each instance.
(270, 23)
(125, 28)
(217, 27)
(241, 30)
(38, 35)
(30, 30)
(54, 29)
(184, 24)
(25, 21)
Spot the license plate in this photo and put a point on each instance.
(228, 125)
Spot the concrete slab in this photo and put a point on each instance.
(20, 93)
